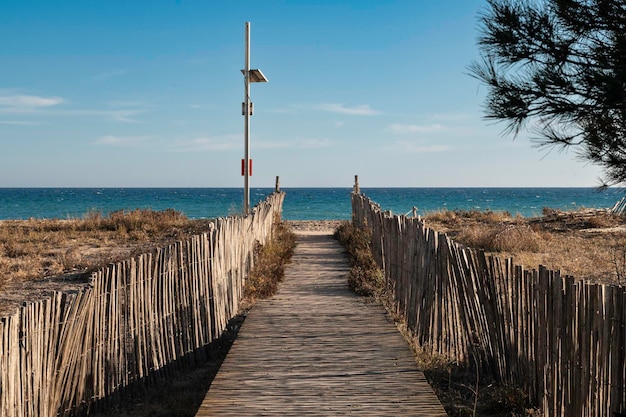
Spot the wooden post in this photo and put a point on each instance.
(277, 189)
(414, 212)
(356, 184)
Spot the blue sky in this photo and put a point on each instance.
(148, 94)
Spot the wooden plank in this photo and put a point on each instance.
(317, 349)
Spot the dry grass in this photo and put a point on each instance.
(365, 278)
(35, 251)
(455, 216)
(463, 392)
(587, 244)
(270, 262)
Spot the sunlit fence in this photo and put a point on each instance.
(139, 319)
(563, 341)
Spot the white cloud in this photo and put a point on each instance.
(127, 103)
(235, 142)
(417, 147)
(449, 117)
(17, 123)
(206, 143)
(315, 143)
(21, 103)
(286, 110)
(432, 148)
(121, 141)
(362, 110)
(121, 115)
(295, 144)
(26, 103)
(263, 144)
(412, 129)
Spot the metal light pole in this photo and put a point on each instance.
(250, 76)
(246, 111)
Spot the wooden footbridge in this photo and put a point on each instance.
(318, 349)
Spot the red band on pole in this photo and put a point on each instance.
(250, 169)
(243, 167)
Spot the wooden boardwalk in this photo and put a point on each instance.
(318, 349)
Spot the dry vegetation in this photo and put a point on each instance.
(270, 262)
(39, 256)
(587, 244)
(365, 278)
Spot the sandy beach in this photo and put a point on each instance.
(327, 226)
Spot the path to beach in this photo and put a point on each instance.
(317, 349)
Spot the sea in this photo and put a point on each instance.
(300, 203)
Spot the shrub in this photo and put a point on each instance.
(15, 249)
(516, 238)
(91, 221)
(442, 216)
(365, 278)
(134, 220)
(70, 259)
(453, 216)
(601, 220)
(501, 238)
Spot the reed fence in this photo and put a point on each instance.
(139, 319)
(561, 340)
(619, 207)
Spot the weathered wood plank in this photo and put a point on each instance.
(316, 348)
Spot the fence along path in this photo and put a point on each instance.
(140, 319)
(563, 341)
(318, 349)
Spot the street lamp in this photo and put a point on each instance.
(250, 76)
